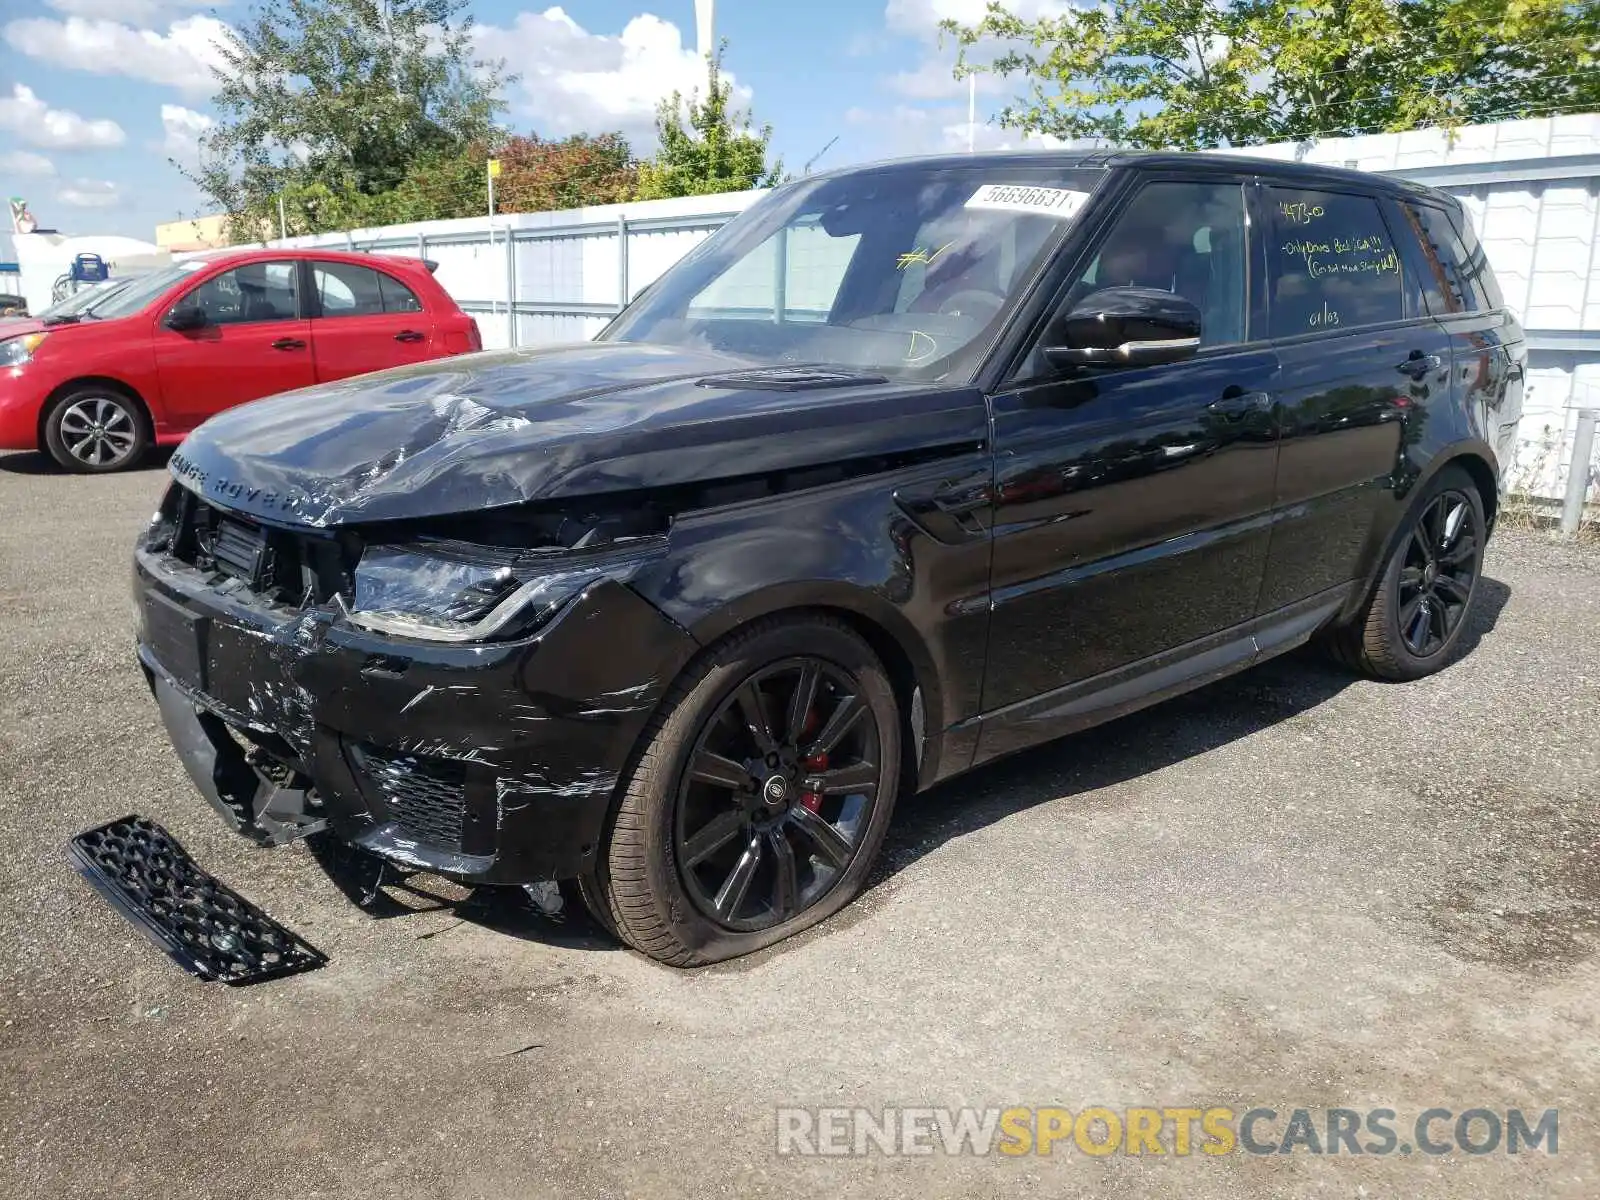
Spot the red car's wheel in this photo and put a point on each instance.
(95, 430)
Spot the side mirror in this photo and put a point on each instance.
(185, 318)
(1125, 327)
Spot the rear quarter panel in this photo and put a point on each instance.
(1461, 425)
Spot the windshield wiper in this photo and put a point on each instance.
(63, 319)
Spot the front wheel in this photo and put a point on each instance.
(94, 430)
(1413, 623)
(761, 796)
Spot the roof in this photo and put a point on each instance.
(263, 253)
(1194, 160)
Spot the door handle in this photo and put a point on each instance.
(288, 343)
(1419, 365)
(408, 335)
(1236, 403)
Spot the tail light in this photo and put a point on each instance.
(458, 342)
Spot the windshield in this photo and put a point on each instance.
(141, 291)
(86, 300)
(906, 270)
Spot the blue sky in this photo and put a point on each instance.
(97, 95)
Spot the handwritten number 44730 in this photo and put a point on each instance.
(1299, 212)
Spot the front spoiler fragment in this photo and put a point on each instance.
(269, 814)
(200, 922)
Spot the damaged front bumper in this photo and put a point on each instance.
(492, 762)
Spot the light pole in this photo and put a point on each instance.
(972, 113)
(704, 13)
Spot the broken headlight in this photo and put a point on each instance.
(445, 594)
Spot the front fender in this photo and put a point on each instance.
(850, 549)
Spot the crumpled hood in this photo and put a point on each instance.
(484, 430)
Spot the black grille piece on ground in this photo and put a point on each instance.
(426, 796)
(202, 923)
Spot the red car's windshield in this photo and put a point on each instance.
(140, 292)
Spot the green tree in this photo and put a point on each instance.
(716, 150)
(334, 102)
(1190, 74)
(538, 175)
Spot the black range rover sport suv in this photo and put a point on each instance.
(910, 466)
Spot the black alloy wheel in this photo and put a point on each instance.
(1421, 604)
(759, 795)
(777, 794)
(1437, 576)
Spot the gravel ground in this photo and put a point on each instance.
(1291, 889)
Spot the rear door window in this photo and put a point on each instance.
(345, 290)
(1331, 263)
(349, 290)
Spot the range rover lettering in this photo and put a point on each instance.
(909, 467)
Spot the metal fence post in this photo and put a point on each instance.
(622, 261)
(1578, 471)
(422, 245)
(350, 241)
(511, 286)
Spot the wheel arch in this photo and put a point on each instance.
(85, 381)
(1472, 456)
(885, 629)
(1479, 466)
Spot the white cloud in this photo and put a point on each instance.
(143, 13)
(935, 80)
(908, 129)
(90, 193)
(181, 58)
(182, 129)
(574, 81)
(922, 17)
(36, 123)
(25, 162)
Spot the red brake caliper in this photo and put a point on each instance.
(812, 801)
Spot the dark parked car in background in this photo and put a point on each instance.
(96, 383)
(909, 467)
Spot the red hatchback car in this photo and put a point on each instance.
(174, 347)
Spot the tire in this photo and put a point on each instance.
(95, 430)
(787, 855)
(595, 900)
(1431, 579)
